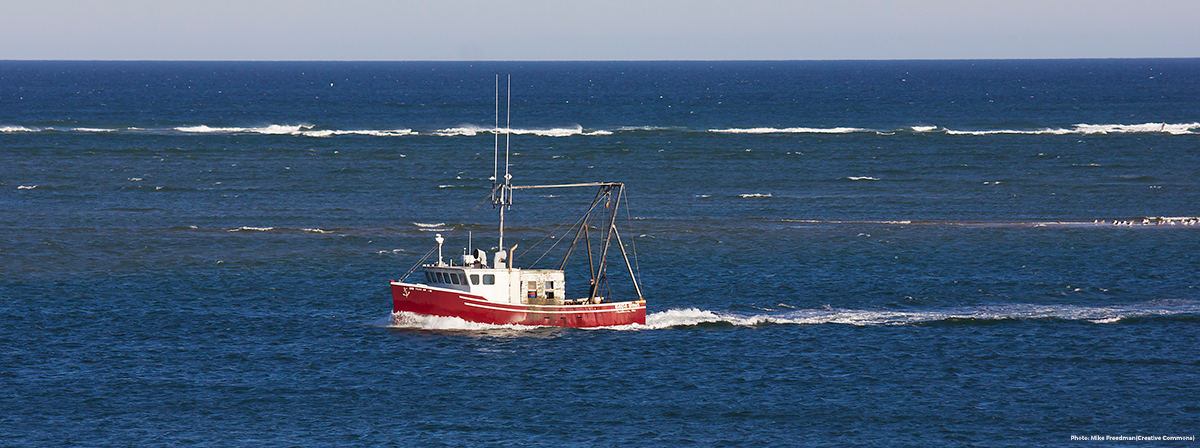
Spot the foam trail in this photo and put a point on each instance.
(688, 317)
(405, 319)
(1096, 315)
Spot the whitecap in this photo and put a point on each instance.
(799, 130)
(862, 178)
(203, 129)
(374, 133)
(252, 229)
(463, 130)
(14, 129)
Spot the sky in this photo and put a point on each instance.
(455, 30)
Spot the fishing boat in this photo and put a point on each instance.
(475, 289)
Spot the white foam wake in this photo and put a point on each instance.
(690, 317)
(1092, 314)
(405, 319)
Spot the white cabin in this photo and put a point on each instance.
(503, 284)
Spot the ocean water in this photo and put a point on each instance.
(875, 253)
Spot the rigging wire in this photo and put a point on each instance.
(415, 266)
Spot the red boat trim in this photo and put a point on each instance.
(529, 308)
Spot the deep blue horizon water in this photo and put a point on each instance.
(879, 253)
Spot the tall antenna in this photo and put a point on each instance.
(507, 135)
(506, 187)
(496, 141)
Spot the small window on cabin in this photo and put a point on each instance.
(440, 278)
(549, 285)
(489, 279)
(429, 277)
(474, 279)
(532, 286)
(454, 278)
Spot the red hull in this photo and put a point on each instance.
(423, 299)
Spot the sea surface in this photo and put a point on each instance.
(870, 253)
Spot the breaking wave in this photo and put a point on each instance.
(836, 130)
(1086, 129)
(305, 130)
(472, 130)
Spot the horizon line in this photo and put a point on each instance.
(616, 60)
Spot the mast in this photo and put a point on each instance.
(496, 142)
(505, 198)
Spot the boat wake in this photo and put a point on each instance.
(684, 318)
(415, 321)
(692, 317)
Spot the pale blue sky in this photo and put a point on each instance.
(596, 30)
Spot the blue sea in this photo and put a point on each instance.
(867, 253)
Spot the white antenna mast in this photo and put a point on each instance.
(496, 141)
(506, 188)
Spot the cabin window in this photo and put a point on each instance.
(549, 290)
(489, 279)
(429, 277)
(440, 278)
(454, 278)
(474, 279)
